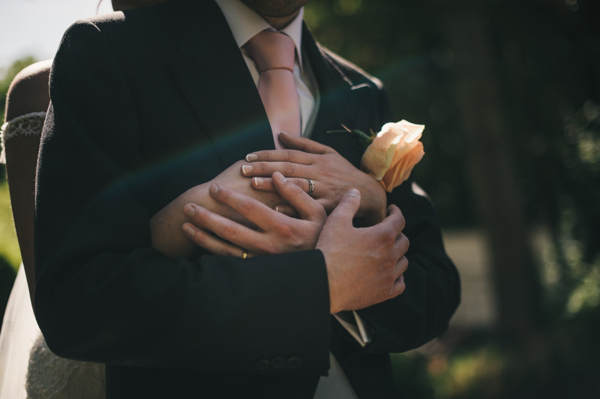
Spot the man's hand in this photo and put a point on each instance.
(365, 266)
(331, 173)
(276, 233)
(165, 226)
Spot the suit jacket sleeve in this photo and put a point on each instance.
(432, 292)
(103, 294)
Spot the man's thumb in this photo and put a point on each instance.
(348, 205)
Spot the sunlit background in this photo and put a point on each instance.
(509, 91)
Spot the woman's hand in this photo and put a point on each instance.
(275, 233)
(165, 226)
(331, 174)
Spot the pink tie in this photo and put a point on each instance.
(274, 54)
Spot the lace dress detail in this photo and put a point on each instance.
(28, 369)
(52, 377)
(29, 125)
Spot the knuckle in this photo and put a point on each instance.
(259, 167)
(200, 216)
(247, 206)
(229, 232)
(320, 214)
(223, 194)
(405, 243)
(386, 241)
(401, 285)
(284, 230)
(391, 291)
(199, 238)
(269, 248)
(288, 155)
(288, 169)
(401, 221)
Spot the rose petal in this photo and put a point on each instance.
(384, 159)
(401, 171)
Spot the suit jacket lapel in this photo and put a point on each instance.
(214, 78)
(338, 102)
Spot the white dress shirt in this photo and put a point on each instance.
(245, 24)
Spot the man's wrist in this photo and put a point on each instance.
(373, 201)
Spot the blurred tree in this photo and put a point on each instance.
(491, 165)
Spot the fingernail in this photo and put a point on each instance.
(258, 181)
(251, 157)
(353, 192)
(187, 230)
(284, 133)
(279, 177)
(189, 210)
(247, 169)
(214, 189)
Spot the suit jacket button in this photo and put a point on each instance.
(262, 364)
(294, 362)
(278, 362)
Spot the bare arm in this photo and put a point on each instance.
(28, 93)
(165, 226)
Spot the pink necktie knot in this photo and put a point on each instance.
(272, 50)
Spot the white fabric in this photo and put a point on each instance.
(19, 333)
(28, 369)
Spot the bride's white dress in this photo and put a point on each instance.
(28, 369)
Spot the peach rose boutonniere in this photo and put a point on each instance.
(392, 153)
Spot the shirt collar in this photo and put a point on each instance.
(245, 23)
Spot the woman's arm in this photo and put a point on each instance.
(27, 95)
(165, 226)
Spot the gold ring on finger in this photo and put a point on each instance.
(244, 255)
(311, 187)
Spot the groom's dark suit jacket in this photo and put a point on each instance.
(145, 105)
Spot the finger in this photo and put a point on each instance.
(253, 210)
(402, 244)
(307, 207)
(281, 155)
(303, 144)
(398, 287)
(394, 219)
(401, 267)
(213, 244)
(224, 228)
(345, 211)
(266, 184)
(266, 169)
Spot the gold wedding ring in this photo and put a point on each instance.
(244, 255)
(311, 187)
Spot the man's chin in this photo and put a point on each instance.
(275, 8)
